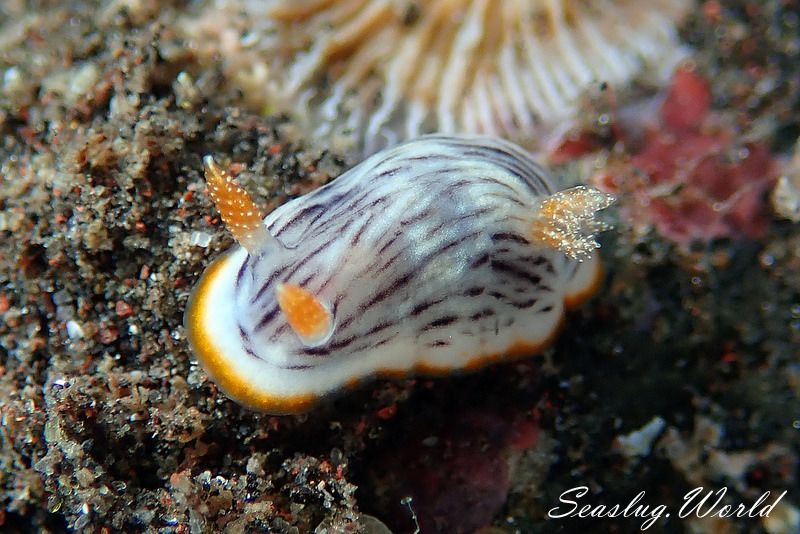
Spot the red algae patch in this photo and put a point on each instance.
(693, 178)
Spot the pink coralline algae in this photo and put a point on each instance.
(691, 177)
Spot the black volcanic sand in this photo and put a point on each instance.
(108, 425)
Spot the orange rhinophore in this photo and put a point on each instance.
(241, 215)
(311, 320)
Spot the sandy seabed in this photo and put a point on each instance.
(683, 371)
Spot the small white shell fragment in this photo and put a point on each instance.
(200, 239)
(786, 193)
(784, 518)
(640, 442)
(74, 330)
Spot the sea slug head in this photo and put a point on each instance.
(262, 321)
(310, 319)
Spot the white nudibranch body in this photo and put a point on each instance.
(443, 253)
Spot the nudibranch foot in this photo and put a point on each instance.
(585, 281)
(438, 255)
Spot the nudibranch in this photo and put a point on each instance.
(440, 254)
